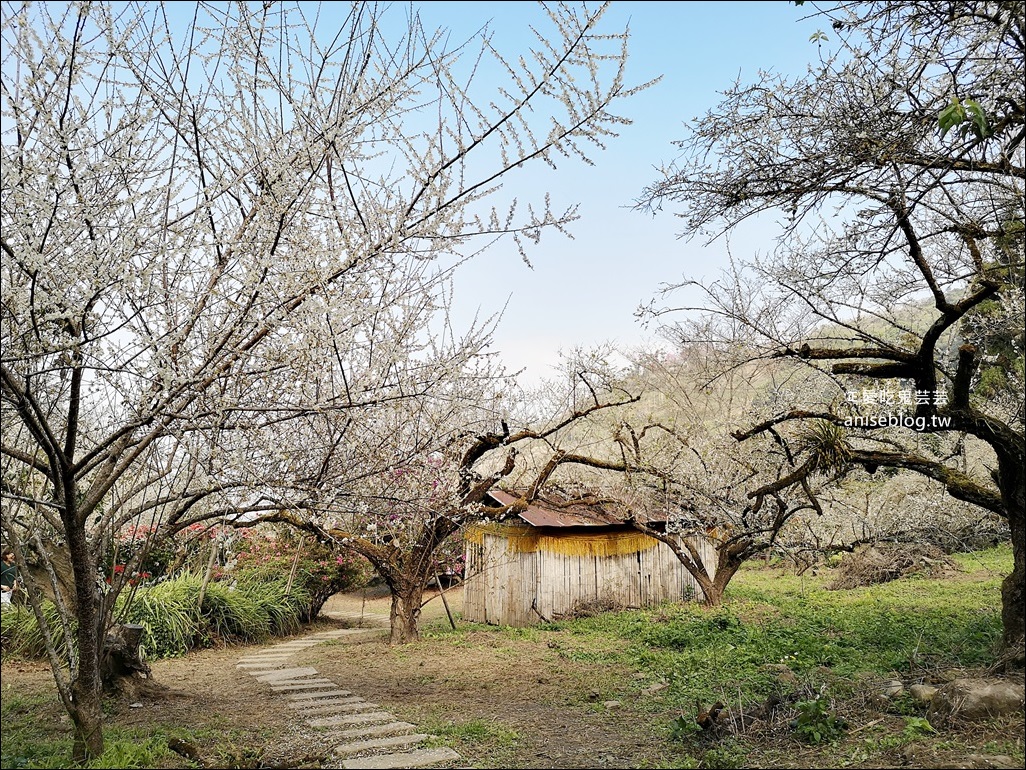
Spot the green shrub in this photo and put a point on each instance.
(21, 635)
(139, 553)
(175, 623)
(268, 591)
(168, 612)
(316, 570)
(229, 614)
(173, 620)
(284, 607)
(817, 723)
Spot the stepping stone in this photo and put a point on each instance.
(336, 700)
(418, 758)
(265, 659)
(373, 744)
(301, 696)
(267, 677)
(351, 720)
(371, 731)
(287, 675)
(347, 632)
(337, 704)
(364, 730)
(260, 669)
(311, 684)
(332, 700)
(340, 708)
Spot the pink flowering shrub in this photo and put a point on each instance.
(269, 555)
(137, 556)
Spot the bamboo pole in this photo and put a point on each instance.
(445, 602)
(210, 571)
(295, 565)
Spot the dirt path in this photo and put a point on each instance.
(499, 702)
(362, 736)
(376, 602)
(502, 702)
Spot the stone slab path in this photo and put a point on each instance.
(363, 735)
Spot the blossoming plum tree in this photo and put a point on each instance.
(894, 172)
(181, 192)
(425, 471)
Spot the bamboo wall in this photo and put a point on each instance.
(523, 576)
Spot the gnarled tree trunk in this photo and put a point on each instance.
(407, 596)
(121, 661)
(1012, 606)
(727, 565)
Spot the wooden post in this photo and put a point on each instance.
(445, 602)
(295, 565)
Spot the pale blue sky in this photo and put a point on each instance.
(584, 292)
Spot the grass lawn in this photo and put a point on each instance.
(619, 689)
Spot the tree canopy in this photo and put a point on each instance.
(203, 204)
(894, 172)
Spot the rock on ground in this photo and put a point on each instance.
(975, 699)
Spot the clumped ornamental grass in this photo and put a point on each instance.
(175, 622)
(245, 611)
(21, 635)
(902, 628)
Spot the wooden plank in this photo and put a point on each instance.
(502, 583)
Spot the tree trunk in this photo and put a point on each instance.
(1012, 482)
(87, 718)
(1012, 607)
(727, 566)
(86, 686)
(42, 554)
(121, 659)
(405, 615)
(712, 595)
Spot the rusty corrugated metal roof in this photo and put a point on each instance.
(538, 514)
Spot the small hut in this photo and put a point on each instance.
(550, 562)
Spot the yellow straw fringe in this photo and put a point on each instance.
(524, 540)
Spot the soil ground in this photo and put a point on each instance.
(502, 703)
(506, 702)
(500, 699)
